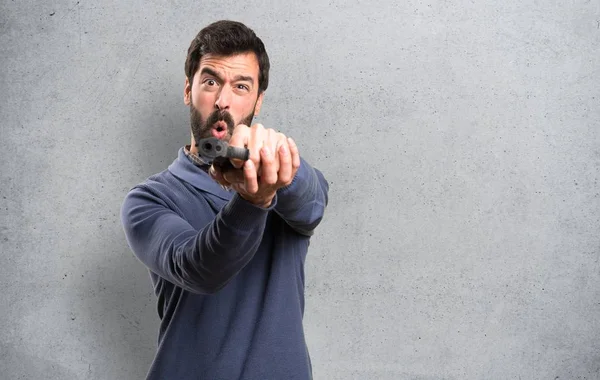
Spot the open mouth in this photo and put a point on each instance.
(219, 129)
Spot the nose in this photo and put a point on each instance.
(223, 99)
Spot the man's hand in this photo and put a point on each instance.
(273, 163)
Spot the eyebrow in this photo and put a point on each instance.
(211, 72)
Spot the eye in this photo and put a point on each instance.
(243, 87)
(209, 82)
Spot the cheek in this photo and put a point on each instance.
(244, 107)
(203, 100)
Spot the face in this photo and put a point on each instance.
(223, 94)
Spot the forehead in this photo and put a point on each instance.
(239, 64)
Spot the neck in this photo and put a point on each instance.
(193, 147)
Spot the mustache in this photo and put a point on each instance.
(220, 116)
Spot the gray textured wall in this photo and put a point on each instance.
(461, 140)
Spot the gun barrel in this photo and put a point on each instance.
(212, 148)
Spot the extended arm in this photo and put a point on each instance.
(302, 203)
(199, 261)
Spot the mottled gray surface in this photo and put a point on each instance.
(461, 140)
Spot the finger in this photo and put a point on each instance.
(268, 167)
(239, 138)
(217, 175)
(285, 164)
(250, 179)
(294, 153)
(255, 143)
(240, 135)
(234, 176)
(281, 140)
(271, 141)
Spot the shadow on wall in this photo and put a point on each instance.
(120, 300)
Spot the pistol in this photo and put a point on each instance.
(218, 152)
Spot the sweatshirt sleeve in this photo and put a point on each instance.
(302, 203)
(199, 261)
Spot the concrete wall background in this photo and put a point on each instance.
(462, 144)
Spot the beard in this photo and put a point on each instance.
(203, 128)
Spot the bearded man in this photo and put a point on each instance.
(226, 249)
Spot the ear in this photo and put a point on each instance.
(187, 92)
(259, 103)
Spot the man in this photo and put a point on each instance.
(226, 248)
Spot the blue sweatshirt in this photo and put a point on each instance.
(228, 275)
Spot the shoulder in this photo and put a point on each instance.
(162, 188)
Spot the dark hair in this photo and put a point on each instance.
(226, 38)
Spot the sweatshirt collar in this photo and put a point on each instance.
(183, 168)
